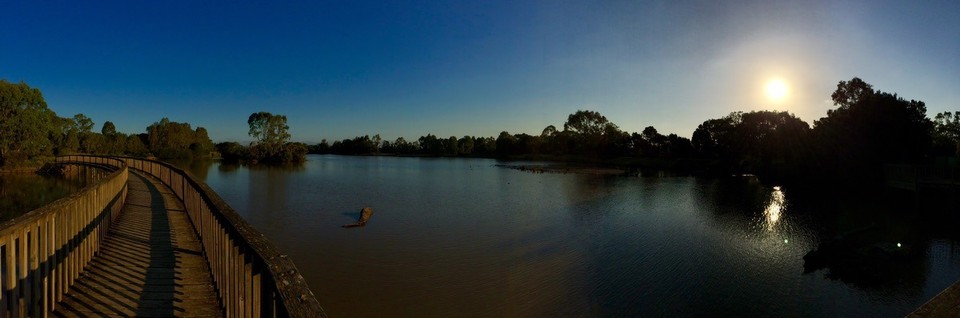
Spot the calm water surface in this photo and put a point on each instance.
(22, 192)
(461, 237)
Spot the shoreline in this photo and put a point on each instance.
(564, 169)
(22, 170)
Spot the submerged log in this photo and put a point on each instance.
(365, 215)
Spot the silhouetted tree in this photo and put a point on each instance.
(548, 131)
(430, 145)
(465, 145)
(870, 128)
(587, 131)
(946, 134)
(712, 138)
(761, 142)
(322, 148)
(586, 122)
(484, 146)
(505, 144)
(850, 92)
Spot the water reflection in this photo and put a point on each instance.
(456, 236)
(774, 209)
(21, 193)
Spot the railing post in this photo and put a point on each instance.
(24, 288)
(33, 258)
(10, 292)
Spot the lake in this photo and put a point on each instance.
(463, 237)
(23, 192)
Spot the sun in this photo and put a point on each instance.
(776, 90)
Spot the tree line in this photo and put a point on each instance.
(31, 133)
(867, 129)
(587, 136)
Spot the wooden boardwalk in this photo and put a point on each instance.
(946, 304)
(150, 265)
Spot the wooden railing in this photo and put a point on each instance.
(911, 177)
(252, 277)
(43, 251)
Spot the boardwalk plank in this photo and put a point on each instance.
(150, 264)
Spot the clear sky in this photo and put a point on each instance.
(408, 68)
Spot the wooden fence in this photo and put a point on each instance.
(252, 277)
(911, 177)
(43, 251)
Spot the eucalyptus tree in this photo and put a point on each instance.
(25, 123)
(271, 131)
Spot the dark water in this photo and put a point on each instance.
(461, 237)
(22, 192)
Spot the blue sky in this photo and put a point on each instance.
(408, 68)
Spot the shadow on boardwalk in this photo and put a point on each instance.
(150, 265)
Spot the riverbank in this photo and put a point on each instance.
(563, 168)
(19, 170)
(581, 163)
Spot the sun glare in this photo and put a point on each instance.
(776, 90)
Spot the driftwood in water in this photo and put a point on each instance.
(365, 215)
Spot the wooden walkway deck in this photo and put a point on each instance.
(946, 304)
(150, 264)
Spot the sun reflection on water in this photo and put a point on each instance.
(774, 209)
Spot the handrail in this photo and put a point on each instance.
(252, 277)
(910, 177)
(43, 251)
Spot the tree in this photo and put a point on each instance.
(232, 151)
(761, 142)
(871, 128)
(93, 143)
(377, 142)
(270, 130)
(170, 139)
(586, 122)
(25, 123)
(135, 146)
(201, 144)
(587, 130)
(465, 145)
(654, 141)
(851, 92)
(505, 144)
(84, 123)
(451, 146)
(548, 131)
(71, 136)
(430, 145)
(108, 129)
(712, 138)
(322, 148)
(946, 133)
